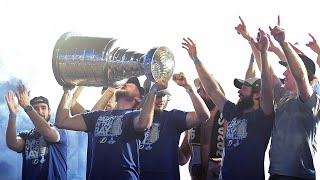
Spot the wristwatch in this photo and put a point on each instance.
(28, 108)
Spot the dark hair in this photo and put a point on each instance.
(39, 99)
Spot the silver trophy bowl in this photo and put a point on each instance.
(79, 60)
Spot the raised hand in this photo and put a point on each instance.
(263, 43)
(161, 84)
(278, 32)
(313, 45)
(190, 47)
(272, 47)
(12, 105)
(23, 96)
(242, 29)
(180, 79)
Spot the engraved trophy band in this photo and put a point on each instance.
(79, 60)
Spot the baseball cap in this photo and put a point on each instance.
(135, 80)
(39, 99)
(255, 83)
(308, 63)
(163, 92)
(197, 84)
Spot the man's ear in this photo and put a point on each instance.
(138, 99)
(256, 95)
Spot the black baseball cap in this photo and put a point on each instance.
(255, 83)
(39, 99)
(308, 63)
(135, 80)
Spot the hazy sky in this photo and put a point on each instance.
(30, 29)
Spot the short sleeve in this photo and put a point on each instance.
(63, 136)
(228, 109)
(90, 119)
(179, 119)
(23, 134)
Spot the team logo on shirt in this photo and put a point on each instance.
(151, 136)
(35, 149)
(237, 131)
(108, 126)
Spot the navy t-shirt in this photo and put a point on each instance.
(246, 141)
(115, 144)
(43, 159)
(159, 156)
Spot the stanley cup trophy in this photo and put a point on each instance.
(92, 61)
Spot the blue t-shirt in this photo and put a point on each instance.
(158, 149)
(43, 159)
(115, 144)
(293, 142)
(246, 140)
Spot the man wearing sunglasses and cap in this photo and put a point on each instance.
(44, 148)
(249, 124)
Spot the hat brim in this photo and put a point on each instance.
(238, 83)
(285, 64)
(135, 80)
(197, 83)
(164, 92)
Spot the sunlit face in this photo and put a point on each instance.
(132, 89)
(289, 81)
(246, 98)
(43, 110)
(206, 98)
(203, 93)
(160, 103)
(244, 92)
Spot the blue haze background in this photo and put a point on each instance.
(29, 30)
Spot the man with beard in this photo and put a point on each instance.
(44, 148)
(159, 147)
(204, 143)
(115, 147)
(249, 124)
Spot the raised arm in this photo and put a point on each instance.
(210, 85)
(75, 107)
(251, 72)
(144, 120)
(267, 75)
(295, 63)
(14, 142)
(64, 120)
(276, 50)
(313, 45)
(41, 125)
(201, 113)
(105, 98)
(242, 30)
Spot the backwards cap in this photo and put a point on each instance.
(135, 81)
(39, 99)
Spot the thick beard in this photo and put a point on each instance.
(245, 103)
(123, 94)
(209, 103)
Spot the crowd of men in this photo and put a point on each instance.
(132, 136)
